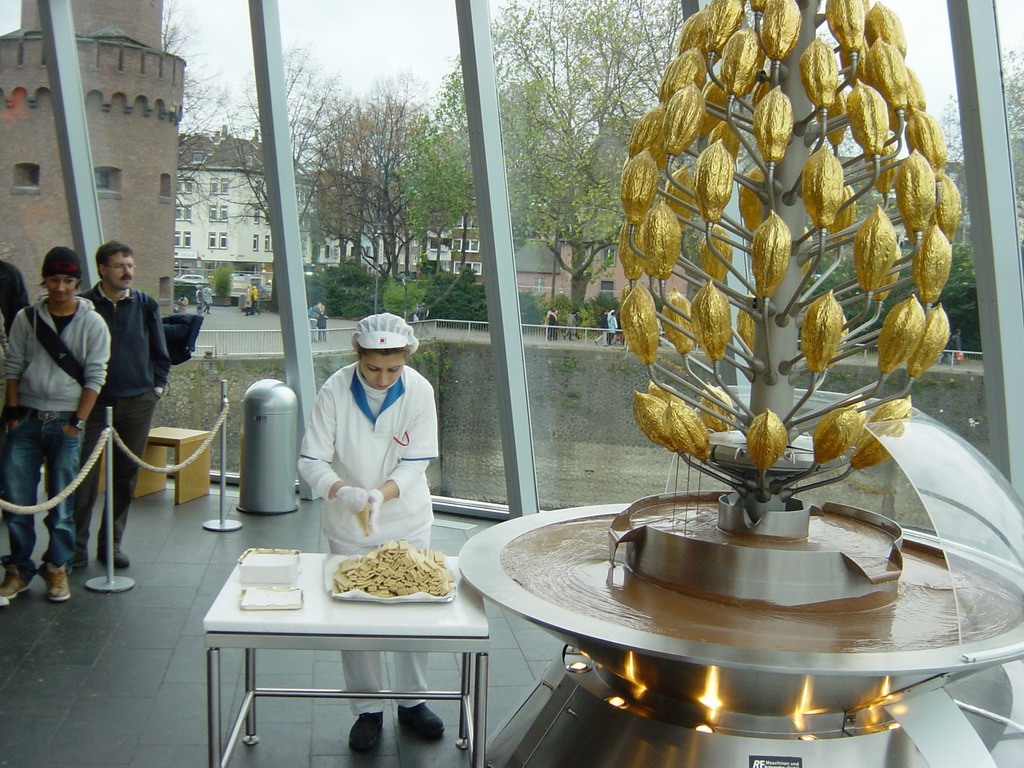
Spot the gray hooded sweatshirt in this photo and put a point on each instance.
(42, 384)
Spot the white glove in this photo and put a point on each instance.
(351, 498)
(374, 498)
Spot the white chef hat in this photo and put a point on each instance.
(384, 331)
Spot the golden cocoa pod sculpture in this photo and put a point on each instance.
(712, 402)
(683, 116)
(887, 72)
(780, 28)
(822, 186)
(686, 433)
(948, 209)
(655, 391)
(915, 192)
(712, 95)
(647, 133)
(869, 119)
(915, 96)
(682, 177)
(688, 68)
(886, 179)
(875, 248)
(936, 334)
(931, 264)
(711, 263)
(836, 432)
(883, 293)
(692, 34)
(925, 135)
(821, 332)
(869, 451)
(661, 239)
(769, 254)
(632, 265)
(712, 323)
(845, 216)
(640, 324)
(846, 21)
(773, 125)
(721, 19)
(750, 203)
(766, 440)
(881, 23)
(638, 187)
(741, 59)
(648, 412)
(722, 132)
(837, 110)
(677, 310)
(745, 327)
(712, 176)
(901, 333)
(819, 72)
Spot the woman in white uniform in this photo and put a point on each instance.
(368, 442)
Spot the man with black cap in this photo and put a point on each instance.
(132, 389)
(56, 365)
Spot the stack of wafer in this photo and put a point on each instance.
(396, 569)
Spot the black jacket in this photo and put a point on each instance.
(13, 295)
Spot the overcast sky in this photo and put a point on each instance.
(365, 41)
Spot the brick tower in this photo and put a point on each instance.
(133, 107)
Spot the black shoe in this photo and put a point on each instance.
(120, 558)
(366, 731)
(423, 722)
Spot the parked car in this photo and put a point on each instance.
(190, 280)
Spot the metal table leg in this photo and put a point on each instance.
(250, 737)
(464, 702)
(478, 756)
(213, 707)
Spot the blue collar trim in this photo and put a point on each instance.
(359, 395)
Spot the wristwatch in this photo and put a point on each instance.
(78, 424)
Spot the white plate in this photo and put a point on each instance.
(357, 595)
(271, 599)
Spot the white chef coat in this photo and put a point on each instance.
(345, 441)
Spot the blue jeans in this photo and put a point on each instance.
(30, 444)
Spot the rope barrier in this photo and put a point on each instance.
(101, 442)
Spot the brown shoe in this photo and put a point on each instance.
(13, 584)
(57, 588)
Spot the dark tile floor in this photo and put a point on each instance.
(119, 679)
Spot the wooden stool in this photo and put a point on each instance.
(191, 482)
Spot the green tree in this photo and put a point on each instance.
(960, 298)
(456, 297)
(345, 290)
(221, 280)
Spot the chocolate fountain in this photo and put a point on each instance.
(753, 626)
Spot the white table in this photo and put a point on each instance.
(324, 623)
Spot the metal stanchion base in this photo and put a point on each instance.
(114, 584)
(222, 525)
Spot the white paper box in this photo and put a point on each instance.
(266, 569)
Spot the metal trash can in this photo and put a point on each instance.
(269, 449)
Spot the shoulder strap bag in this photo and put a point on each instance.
(57, 349)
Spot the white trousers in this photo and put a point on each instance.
(364, 669)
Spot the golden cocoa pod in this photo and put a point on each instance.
(894, 410)
(710, 263)
(688, 68)
(836, 111)
(948, 209)
(925, 135)
(780, 28)
(822, 185)
(936, 334)
(821, 332)
(885, 68)
(712, 323)
(712, 95)
(632, 264)
(745, 327)
(870, 451)
(683, 116)
(662, 238)
(766, 440)
(662, 394)
(901, 333)
(751, 207)
(869, 119)
(875, 248)
(712, 178)
(722, 132)
(721, 19)
(931, 264)
(915, 96)
(640, 324)
(757, 5)
(677, 309)
(773, 125)
(683, 178)
(769, 254)
(882, 294)
(639, 185)
(649, 412)
(686, 433)
(915, 192)
(886, 178)
(819, 72)
(711, 402)
(741, 59)
(845, 217)
(881, 23)
(836, 432)
(647, 133)
(692, 34)
(846, 20)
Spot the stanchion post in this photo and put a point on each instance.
(223, 524)
(110, 583)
